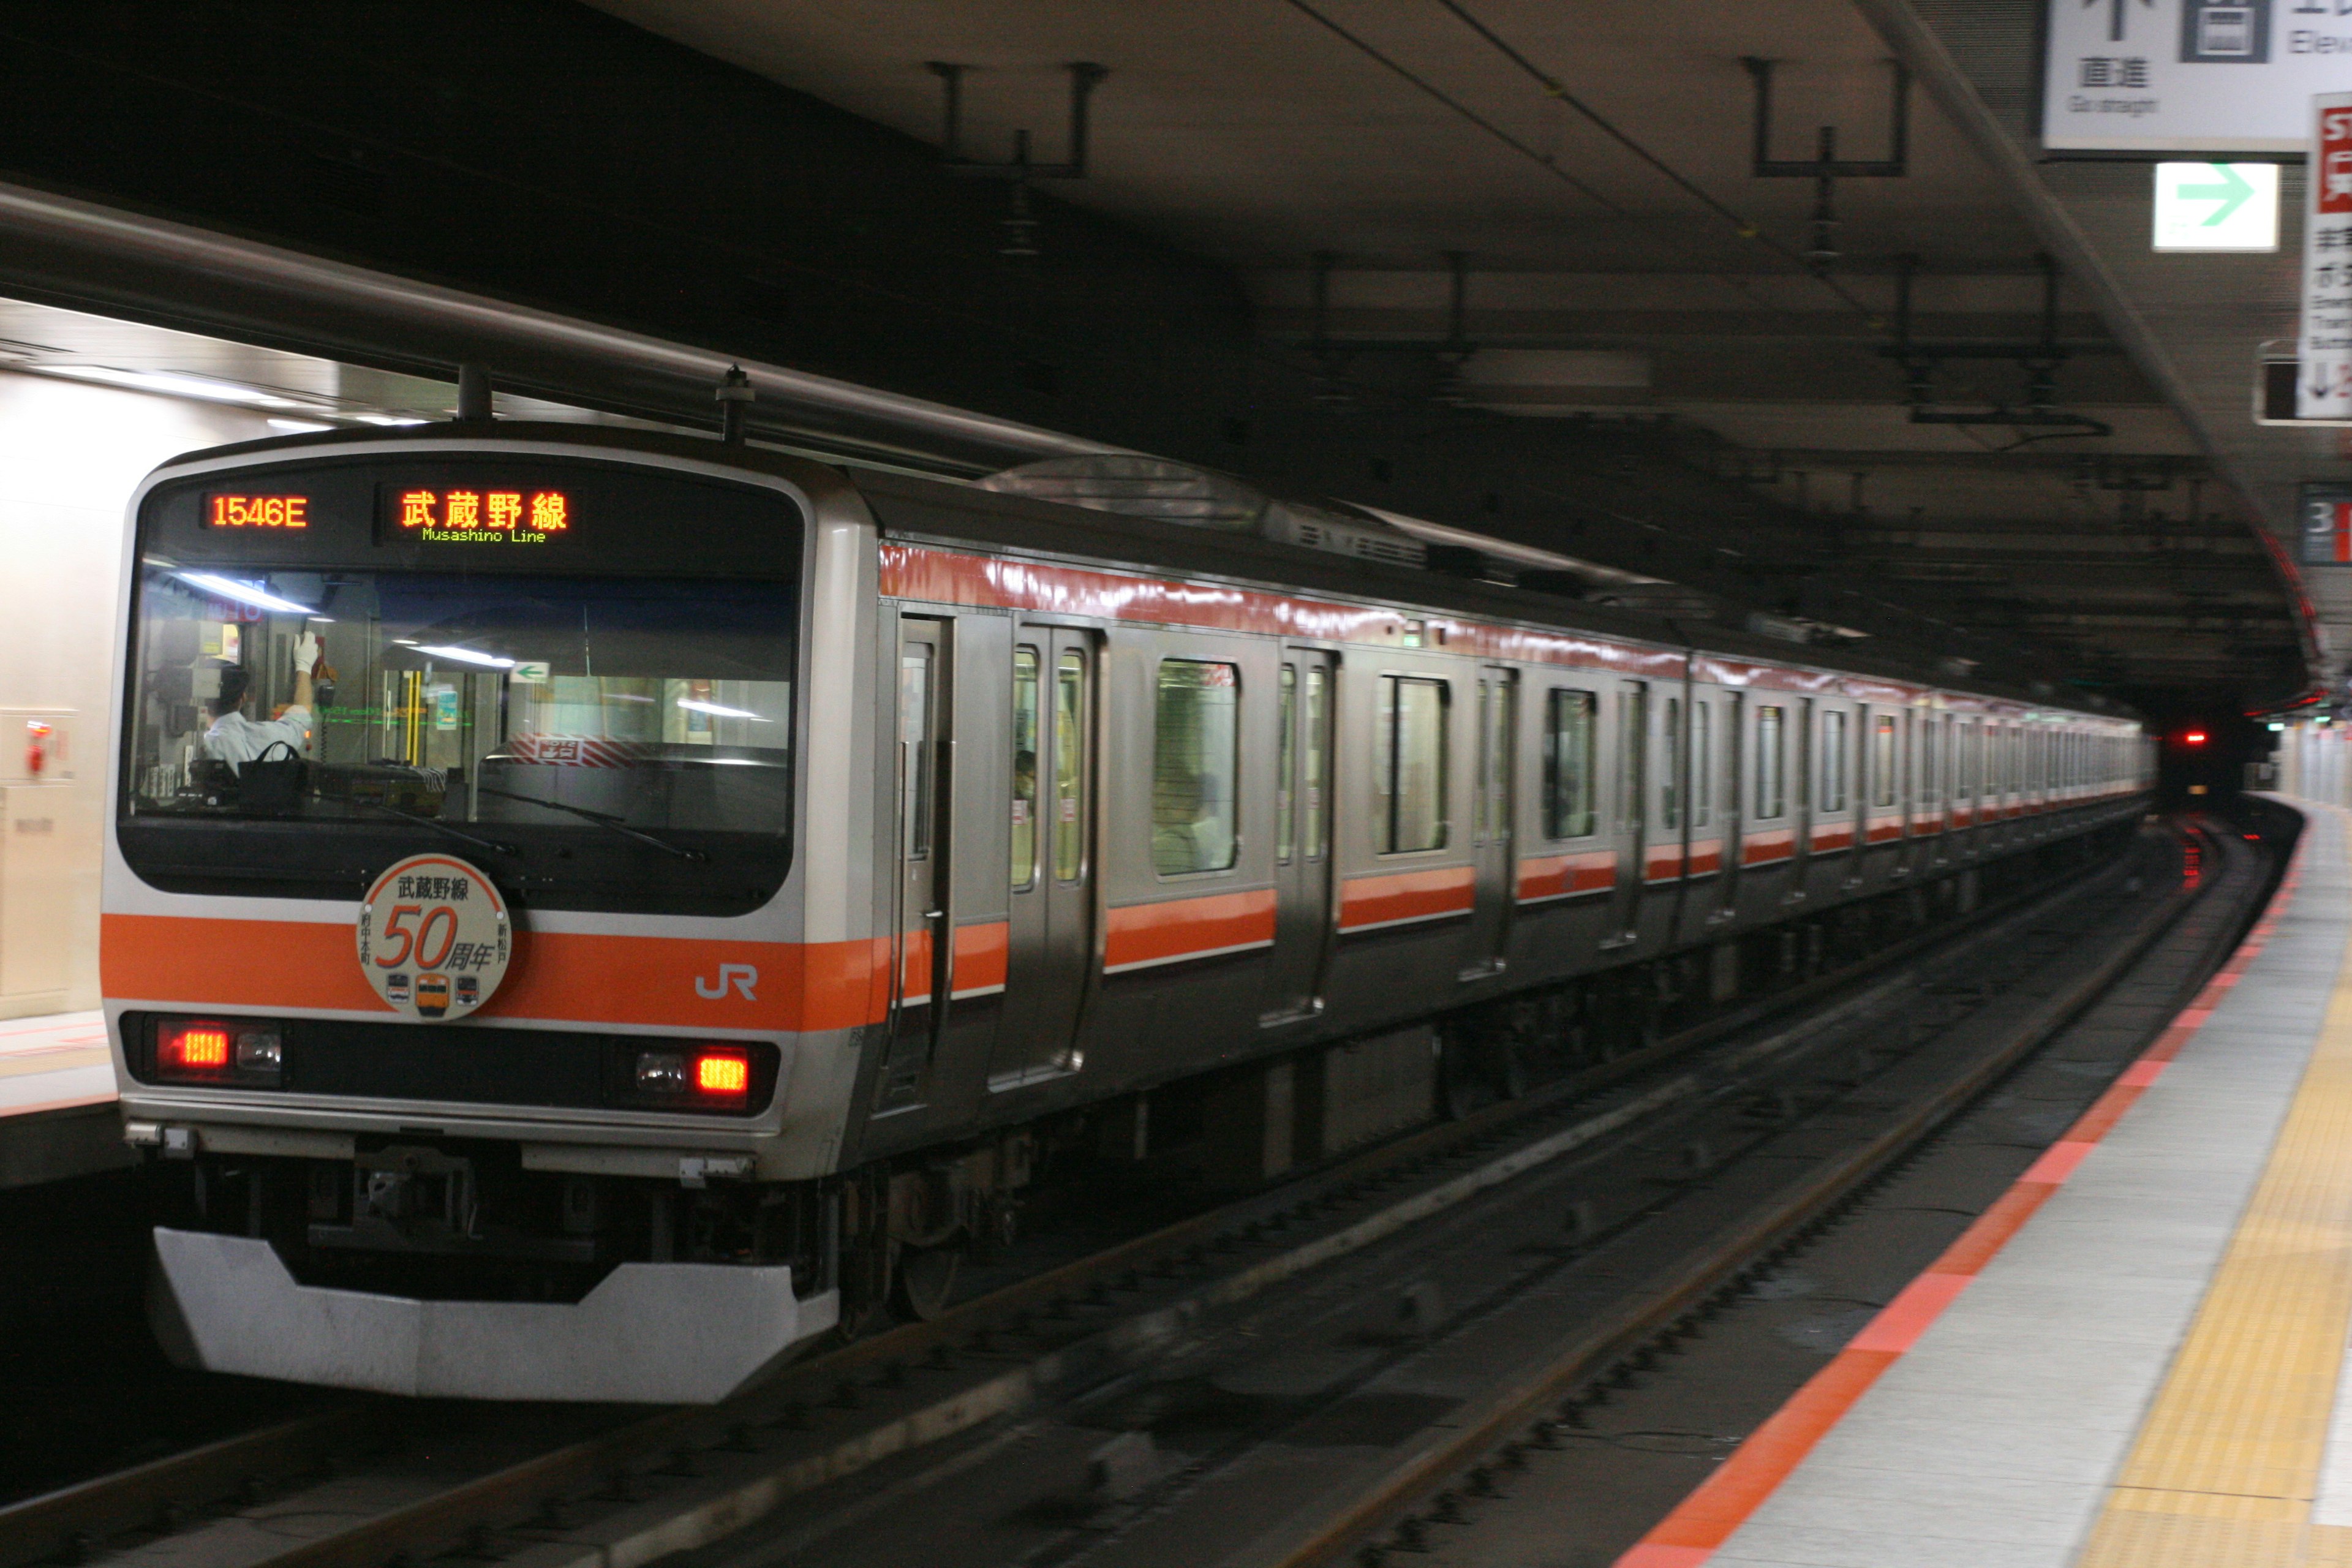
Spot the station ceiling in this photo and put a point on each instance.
(1583, 178)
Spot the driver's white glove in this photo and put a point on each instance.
(306, 652)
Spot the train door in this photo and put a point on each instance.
(1628, 840)
(1052, 934)
(1492, 838)
(919, 940)
(1733, 796)
(1302, 834)
(1802, 807)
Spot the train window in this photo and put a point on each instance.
(631, 735)
(1670, 804)
(1702, 749)
(1882, 762)
(1195, 761)
(914, 748)
(1833, 761)
(1496, 729)
(1771, 763)
(1412, 767)
(1025, 714)
(1069, 766)
(1285, 762)
(1931, 760)
(1632, 755)
(1319, 744)
(1568, 743)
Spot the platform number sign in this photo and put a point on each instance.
(2323, 390)
(2326, 525)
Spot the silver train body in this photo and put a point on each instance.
(977, 831)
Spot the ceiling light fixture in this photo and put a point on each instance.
(172, 384)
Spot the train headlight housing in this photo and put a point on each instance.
(661, 1072)
(233, 1053)
(713, 1078)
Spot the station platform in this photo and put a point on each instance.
(2137, 1356)
(57, 1099)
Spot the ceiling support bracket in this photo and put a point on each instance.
(1020, 228)
(2039, 358)
(1825, 168)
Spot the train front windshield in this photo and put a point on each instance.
(604, 740)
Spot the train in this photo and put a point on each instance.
(591, 912)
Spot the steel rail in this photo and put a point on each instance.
(537, 1485)
(1487, 1425)
(53, 1527)
(60, 1526)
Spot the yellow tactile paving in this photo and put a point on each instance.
(2226, 1465)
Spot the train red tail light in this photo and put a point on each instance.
(198, 1050)
(723, 1075)
(209, 1050)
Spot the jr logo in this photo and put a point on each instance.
(743, 976)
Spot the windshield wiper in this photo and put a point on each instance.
(604, 819)
(432, 822)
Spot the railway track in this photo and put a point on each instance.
(648, 1485)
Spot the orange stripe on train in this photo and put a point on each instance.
(1401, 895)
(557, 976)
(1560, 876)
(1141, 935)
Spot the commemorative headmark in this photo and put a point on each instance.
(434, 937)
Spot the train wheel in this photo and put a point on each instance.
(927, 1279)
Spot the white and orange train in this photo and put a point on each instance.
(597, 910)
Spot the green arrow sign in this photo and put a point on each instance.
(2231, 192)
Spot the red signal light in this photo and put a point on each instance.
(726, 1074)
(2194, 737)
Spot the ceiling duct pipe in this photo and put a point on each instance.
(59, 251)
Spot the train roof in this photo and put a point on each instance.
(925, 507)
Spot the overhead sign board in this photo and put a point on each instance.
(2324, 385)
(2216, 207)
(2189, 76)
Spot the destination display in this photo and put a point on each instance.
(486, 511)
(474, 514)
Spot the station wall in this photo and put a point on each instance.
(70, 455)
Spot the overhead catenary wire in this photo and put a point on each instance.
(1746, 226)
(1431, 89)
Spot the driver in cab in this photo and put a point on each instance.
(237, 738)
